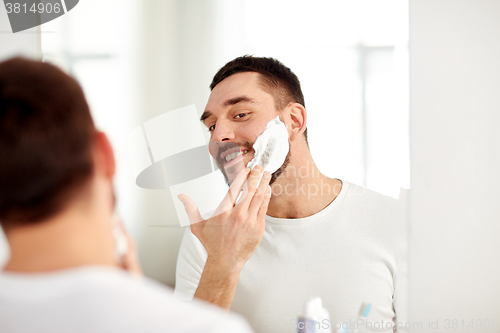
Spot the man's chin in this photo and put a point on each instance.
(232, 171)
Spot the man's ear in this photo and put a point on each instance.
(105, 159)
(298, 120)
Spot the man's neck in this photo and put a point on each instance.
(302, 190)
(68, 240)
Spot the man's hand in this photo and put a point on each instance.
(129, 260)
(232, 235)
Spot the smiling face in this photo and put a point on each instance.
(229, 158)
(237, 112)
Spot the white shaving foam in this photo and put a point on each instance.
(271, 147)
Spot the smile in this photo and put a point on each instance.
(232, 156)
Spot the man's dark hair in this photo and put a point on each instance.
(275, 78)
(46, 140)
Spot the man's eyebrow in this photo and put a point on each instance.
(205, 115)
(229, 102)
(239, 99)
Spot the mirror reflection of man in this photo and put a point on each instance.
(323, 236)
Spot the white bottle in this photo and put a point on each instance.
(316, 318)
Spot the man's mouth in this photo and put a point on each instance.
(232, 156)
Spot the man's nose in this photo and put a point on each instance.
(223, 132)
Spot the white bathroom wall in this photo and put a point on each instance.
(25, 43)
(455, 163)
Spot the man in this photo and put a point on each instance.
(56, 208)
(323, 237)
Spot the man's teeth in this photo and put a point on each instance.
(234, 155)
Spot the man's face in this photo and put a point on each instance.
(237, 112)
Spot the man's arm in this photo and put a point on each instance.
(231, 236)
(218, 283)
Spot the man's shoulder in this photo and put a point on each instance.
(358, 194)
(381, 216)
(375, 208)
(110, 298)
(156, 303)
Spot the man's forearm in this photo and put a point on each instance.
(218, 284)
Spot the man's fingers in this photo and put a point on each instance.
(244, 193)
(233, 192)
(260, 194)
(196, 221)
(129, 259)
(191, 209)
(252, 182)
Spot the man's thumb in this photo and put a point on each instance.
(191, 209)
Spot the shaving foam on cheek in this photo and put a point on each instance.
(271, 147)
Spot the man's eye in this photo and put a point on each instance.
(241, 115)
(211, 128)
